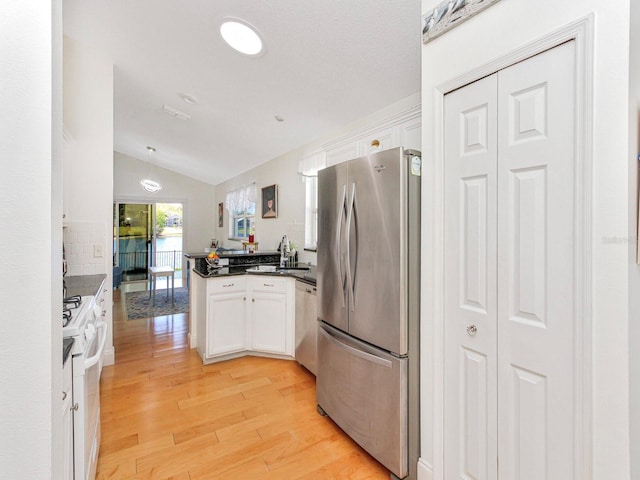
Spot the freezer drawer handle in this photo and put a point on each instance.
(354, 351)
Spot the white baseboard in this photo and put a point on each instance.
(109, 356)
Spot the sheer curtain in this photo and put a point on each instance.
(308, 172)
(309, 165)
(241, 198)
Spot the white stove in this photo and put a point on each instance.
(83, 321)
(76, 317)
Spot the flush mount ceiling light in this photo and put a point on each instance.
(150, 186)
(241, 36)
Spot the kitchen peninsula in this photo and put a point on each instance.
(237, 311)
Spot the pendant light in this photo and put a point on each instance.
(149, 185)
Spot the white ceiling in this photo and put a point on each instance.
(326, 64)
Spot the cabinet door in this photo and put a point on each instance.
(67, 421)
(383, 139)
(342, 153)
(410, 133)
(225, 323)
(268, 322)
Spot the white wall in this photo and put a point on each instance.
(198, 198)
(88, 158)
(493, 34)
(291, 189)
(31, 253)
(634, 269)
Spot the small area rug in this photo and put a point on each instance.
(139, 303)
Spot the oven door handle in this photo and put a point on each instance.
(91, 361)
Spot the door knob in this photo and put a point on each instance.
(472, 330)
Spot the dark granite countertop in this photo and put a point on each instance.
(307, 275)
(67, 344)
(84, 284)
(233, 253)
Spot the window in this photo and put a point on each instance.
(308, 170)
(311, 213)
(243, 223)
(241, 204)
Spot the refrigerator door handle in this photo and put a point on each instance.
(352, 220)
(354, 351)
(339, 250)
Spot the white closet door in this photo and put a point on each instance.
(470, 282)
(536, 267)
(509, 353)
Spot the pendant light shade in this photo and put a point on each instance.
(149, 185)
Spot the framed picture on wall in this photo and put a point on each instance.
(270, 201)
(220, 214)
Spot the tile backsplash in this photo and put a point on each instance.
(86, 248)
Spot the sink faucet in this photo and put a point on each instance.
(284, 251)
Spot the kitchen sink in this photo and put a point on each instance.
(292, 270)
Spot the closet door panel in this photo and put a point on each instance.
(470, 282)
(536, 267)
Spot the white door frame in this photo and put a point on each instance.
(432, 337)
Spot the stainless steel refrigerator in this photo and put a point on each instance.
(369, 303)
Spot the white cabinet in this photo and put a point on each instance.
(197, 310)
(226, 316)
(342, 153)
(401, 130)
(243, 314)
(410, 133)
(67, 420)
(382, 139)
(268, 320)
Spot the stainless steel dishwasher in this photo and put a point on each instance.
(306, 325)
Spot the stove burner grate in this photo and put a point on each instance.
(72, 302)
(66, 317)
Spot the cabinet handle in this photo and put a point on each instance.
(375, 143)
(228, 285)
(64, 395)
(268, 284)
(244, 298)
(74, 408)
(472, 330)
(253, 299)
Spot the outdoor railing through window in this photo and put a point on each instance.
(132, 261)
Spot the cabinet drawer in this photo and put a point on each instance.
(267, 283)
(235, 283)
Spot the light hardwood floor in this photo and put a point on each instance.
(166, 415)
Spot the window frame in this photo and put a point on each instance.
(239, 215)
